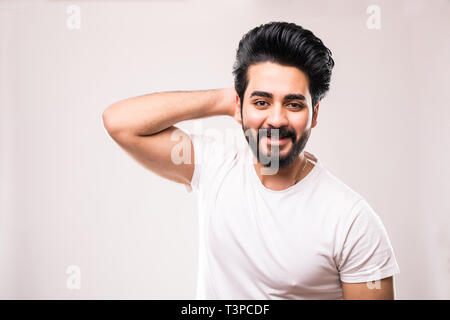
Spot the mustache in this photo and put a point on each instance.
(282, 132)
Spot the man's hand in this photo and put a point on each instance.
(372, 290)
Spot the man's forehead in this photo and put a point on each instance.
(277, 81)
(271, 69)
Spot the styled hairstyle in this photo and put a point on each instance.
(287, 44)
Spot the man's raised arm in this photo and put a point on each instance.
(143, 126)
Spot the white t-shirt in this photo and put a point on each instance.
(296, 243)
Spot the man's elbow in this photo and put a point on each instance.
(110, 121)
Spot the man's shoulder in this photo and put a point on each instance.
(212, 146)
(336, 186)
(333, 194)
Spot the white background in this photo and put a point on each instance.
(70, 196)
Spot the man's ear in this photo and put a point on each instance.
(316, 112)
(237, 110)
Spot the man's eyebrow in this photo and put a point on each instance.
(290, 96)
(295, 96)
(261, 94)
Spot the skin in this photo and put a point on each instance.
(383, 290)
(286, 115)
(293, 116)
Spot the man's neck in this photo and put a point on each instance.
(285, 177)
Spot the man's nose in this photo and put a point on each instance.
(277, 116)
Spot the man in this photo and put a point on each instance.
(283, 227)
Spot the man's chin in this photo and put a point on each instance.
(268, 161)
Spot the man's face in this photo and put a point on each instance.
(277, 101)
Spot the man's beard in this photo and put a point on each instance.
(274, 159)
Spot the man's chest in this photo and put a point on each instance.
(277, 243)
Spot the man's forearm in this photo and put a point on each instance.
(152, 113)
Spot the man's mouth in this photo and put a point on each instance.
(275, 141)
(282, 138)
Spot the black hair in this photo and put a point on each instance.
(286, 44)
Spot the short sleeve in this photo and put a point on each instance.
(366, 253)
(206, 151)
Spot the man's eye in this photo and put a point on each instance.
(297, 105)
(257, 103)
